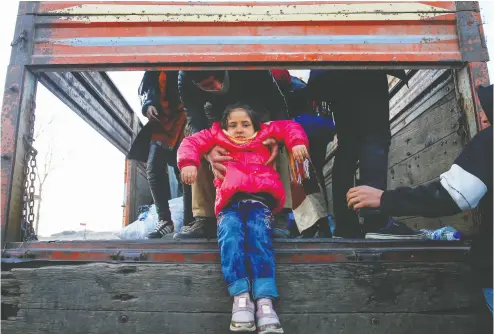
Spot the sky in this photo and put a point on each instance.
(87, 184)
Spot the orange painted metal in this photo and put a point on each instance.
(288, 251)
(478, 76)
(123, 34)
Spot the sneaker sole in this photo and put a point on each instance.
(272, 331)
(242, 329)
(395, 237)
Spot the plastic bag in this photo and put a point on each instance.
(147, 221)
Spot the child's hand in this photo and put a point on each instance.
(189, 174)
(300, 153)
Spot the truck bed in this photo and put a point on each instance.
(326, 286)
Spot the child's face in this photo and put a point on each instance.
(239, 124)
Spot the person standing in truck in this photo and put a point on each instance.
(465, 186)
(158, 141)
(250, 192)
(319, 128)
(205, 94)
(359, 101)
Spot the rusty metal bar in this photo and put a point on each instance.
(18, 102)
(471, 37)
(287, 251)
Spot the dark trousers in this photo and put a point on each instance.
(160, 156)
(247, 257)
(360, 105)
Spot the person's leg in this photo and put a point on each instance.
(157, 173)
(372, 112)
(343, 174)
(373, 166)
(231, 241)
(261, 263)
(203, 198)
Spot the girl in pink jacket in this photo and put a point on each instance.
(246, 199)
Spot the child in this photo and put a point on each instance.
(245, 200)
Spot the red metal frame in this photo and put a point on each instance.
(128, 33)
(61, 36)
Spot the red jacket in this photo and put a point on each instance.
(246, 172)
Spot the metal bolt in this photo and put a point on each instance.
(375, 321)
(5, 157)
(123, 319)
(14, 88)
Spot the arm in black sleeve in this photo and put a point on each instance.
(149, 91)
(430, 200)
(459, 189)
(190, 95)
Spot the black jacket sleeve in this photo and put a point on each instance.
(430, 200)
(191, 97)
(149, 91)
(460, 188)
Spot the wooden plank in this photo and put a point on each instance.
(419, 84)
(441, 87)
(304, 288)
(10, 289)
(426, 164)
(436, 123)
(463, 222)
(64, 321)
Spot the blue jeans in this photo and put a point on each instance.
(247, 258)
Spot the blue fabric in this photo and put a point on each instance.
(316, 126)
(297, 83)
(488, 298)
(244, 238)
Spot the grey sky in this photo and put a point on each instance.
(87, 186)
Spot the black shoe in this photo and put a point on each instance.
(162, 229)
(201, 228)
(319, 230)
(396, 230)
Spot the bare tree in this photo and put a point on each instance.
(51, 160)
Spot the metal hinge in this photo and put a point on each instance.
(129, 256)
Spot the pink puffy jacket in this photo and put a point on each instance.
(246, 172)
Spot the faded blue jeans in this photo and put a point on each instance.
(247, 258)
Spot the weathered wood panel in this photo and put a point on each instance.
(110, 322)
(437, 123)
(304, 288)
(426, 165)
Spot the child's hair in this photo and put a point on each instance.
(254, 117)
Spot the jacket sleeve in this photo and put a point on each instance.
(193, 103)
(149, 91)
(194, 147)
(430, 200)
(288, 132)
(460, 188)
(275, 100)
